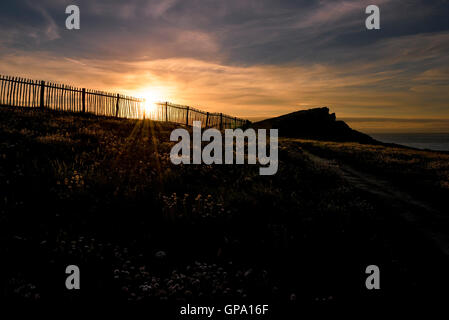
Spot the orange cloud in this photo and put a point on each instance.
(350, 90)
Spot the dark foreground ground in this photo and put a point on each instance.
(102, 194)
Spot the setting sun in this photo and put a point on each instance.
(150, 107)
(152, 96)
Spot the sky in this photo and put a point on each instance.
(253, 59)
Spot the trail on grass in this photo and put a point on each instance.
(421, 215)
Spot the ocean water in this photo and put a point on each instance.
(432, 141)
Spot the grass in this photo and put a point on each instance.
(423, 173)
(102, 193)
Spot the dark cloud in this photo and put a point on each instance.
(256, 52)
(235, 31)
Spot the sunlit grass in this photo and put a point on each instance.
(416, 169)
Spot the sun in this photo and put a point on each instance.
(152, 97)
(150, 107)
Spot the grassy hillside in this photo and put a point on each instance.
(423, 173)
(102, 193)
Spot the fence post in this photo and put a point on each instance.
(116, 106)
(221, 121)
(42, 93)
(166, 111)
(10, 92)
(15, 84)
(207, 119)
(84, 99)
(187, 116)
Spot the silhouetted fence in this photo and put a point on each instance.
(166, 111)
(19, 92)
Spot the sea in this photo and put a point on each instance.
(431, 141)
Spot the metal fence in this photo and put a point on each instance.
(19, 92)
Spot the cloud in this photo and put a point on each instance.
(335, 12)
(399, 125)
(158, 9)
(262, 90)
(253, 58)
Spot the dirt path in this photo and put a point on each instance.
(422, 216)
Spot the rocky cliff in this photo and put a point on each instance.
(317, 124)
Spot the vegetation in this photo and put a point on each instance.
(101, 193)
(424, 173)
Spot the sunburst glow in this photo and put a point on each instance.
(152, 96)
(150, 107)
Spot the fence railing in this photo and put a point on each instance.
(19, 92)
(166, 111)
